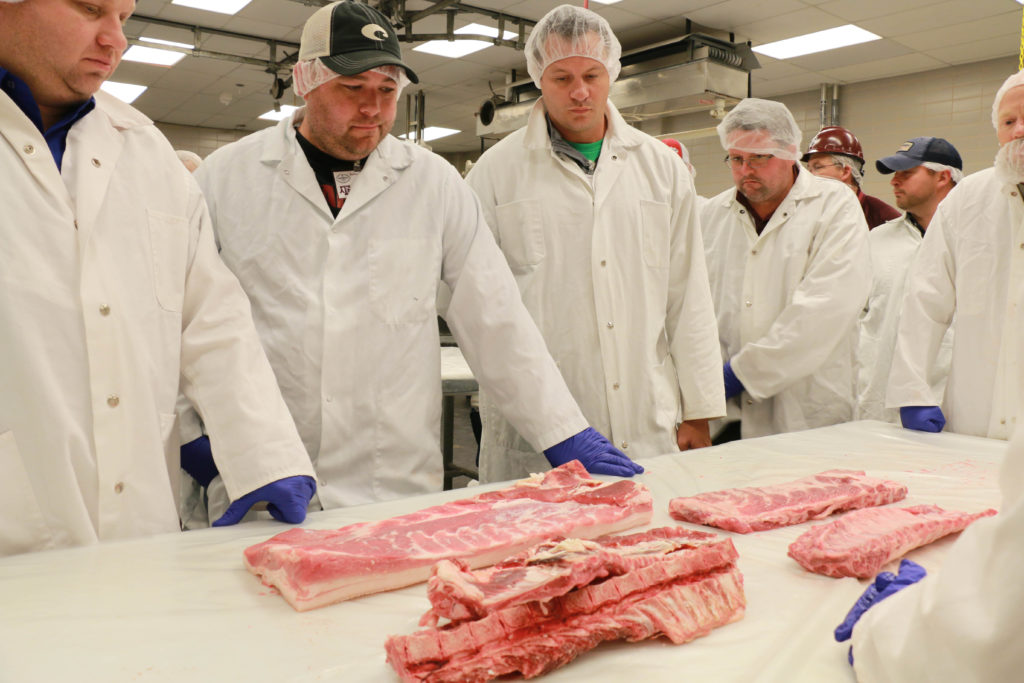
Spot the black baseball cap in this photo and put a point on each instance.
(350, 38)
(917, 151)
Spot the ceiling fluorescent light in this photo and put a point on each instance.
(126, 92)
(152, 55)
(612, 2)
(286, 110)
(433, 133)
(820, 41)
(460, 48)
(157, 41)
(219, 6)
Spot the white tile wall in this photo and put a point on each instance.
(202, 141)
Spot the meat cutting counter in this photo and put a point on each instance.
(181, 607)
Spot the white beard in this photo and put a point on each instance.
(1010, 162)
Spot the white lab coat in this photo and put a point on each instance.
(346, 308)
(787, 303)
(971, 259)
(963, 622)
(110, 291)
(611, 268)
(893, 245)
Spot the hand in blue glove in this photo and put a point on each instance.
(287, 500)
(197, 460)
(594, 453)
(884, 585)
(733, 385)
(923, 418)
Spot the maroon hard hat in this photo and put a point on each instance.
(835, 140)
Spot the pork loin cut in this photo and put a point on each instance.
(757, 508)
(312, 568)
(674, 582)
(860, 543)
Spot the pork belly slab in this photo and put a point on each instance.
(758, 508)
(312, 568)
(860, 543)
(545, 607)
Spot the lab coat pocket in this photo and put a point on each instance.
(404, 273)
(521, 233)
(168, 240)
(22, 527)
(655, 217)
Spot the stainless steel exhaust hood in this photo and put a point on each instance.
(685, 75)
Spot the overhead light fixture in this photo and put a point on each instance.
(433, 133)
(155, 55)
(274, 115)
(460, 48)
(819, 41)
(126, 92)
(219, 6)
(612, 2)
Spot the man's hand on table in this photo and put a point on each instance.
(693, 434)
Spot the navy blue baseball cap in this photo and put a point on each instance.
(917, 151)
(350, 38)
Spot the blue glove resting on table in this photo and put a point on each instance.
(287, 499)
(594, 452)
(733, 385)
(923, 418)
(884, 585)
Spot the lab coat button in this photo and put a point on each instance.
(753, 251)
(615, 386)
(748, 303)
(29, 149)
(603, 262)
(96, 163)
(113, 400)
(611, 325)
(329, 399)
(625, 445)
(104, 309)
(750, 401)
(119, 487)
(1002, 421)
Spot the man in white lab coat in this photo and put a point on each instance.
(970, 264)
(111, 293)
(340, 234)
(598, 222)
(923, 170)
(788, 261)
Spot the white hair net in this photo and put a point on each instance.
(1010, 83)
(310, 74)
(745, 126)
(570, 31)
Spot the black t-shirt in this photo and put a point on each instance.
(335, 176)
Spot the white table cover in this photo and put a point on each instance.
(181, 607)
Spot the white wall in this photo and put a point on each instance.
(202, 141)
(953, 103)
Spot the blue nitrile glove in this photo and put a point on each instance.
(923, 418)
(197, 460)
(884, 585)
(594, 452)
(287, 500)
(733, 385)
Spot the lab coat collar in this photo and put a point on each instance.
(383, 166)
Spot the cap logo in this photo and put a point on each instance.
(374, 32)
(905, 147)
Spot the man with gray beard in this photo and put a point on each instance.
(969, 263)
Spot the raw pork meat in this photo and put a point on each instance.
(861, 542)
(758, 508)
(674, 582)
(312, 568)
